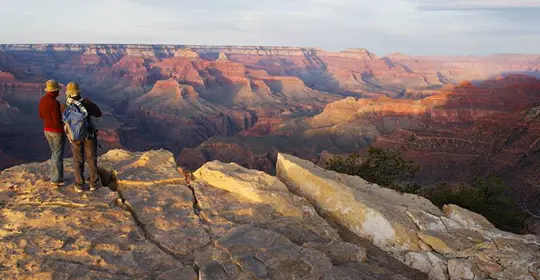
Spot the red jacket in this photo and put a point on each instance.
(49, 112)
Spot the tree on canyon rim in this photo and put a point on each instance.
(382, 167)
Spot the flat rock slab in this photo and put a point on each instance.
(230, 195)
(48, 232)
(166, 213)
(152, 166)
(54, 234)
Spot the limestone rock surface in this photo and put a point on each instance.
(456, 243)
(260, 229)
(55, 233)
(148, 222)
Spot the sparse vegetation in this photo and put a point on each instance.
(382, 167)
(485, 196)
(387, 168)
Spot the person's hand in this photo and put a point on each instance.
(69, 100)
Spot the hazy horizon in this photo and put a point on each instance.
(276, 46)
(415, 27)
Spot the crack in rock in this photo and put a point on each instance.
(142, 226)
(205, 223)
(203, 220)
(109, 179)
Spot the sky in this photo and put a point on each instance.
(418, 27)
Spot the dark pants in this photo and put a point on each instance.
(57, 142)
(85, 151)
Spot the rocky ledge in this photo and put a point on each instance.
(228, 222)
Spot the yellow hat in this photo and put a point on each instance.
(51, 86)
(73, 89)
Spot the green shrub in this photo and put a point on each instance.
(484, 196)
(382, 167)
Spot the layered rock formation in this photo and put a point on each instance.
(456, 135)
(228, 222)
(244, 104)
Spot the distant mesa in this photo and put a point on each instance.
(359, 53)
(465, 84)
(140, 52)
(397, 55)
(187, 53)
(222, 57)
(90, 51)
(166, 84)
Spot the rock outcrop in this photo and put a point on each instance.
(150, 222)
(228, 222)
(457, 243)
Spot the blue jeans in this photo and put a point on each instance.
(56, 143)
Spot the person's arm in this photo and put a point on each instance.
(92, 108)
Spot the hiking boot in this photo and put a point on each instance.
(95, 185)
(78, 188)
(58, 184)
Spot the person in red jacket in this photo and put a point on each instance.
(49, 112)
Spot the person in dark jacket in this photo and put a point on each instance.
(49, 112)
(85, 150)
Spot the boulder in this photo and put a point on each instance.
(254, 186)
(372, 212)
(466, 217)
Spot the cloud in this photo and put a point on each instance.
(457, 5)
(411, 26)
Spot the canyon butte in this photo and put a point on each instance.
(228, 222)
